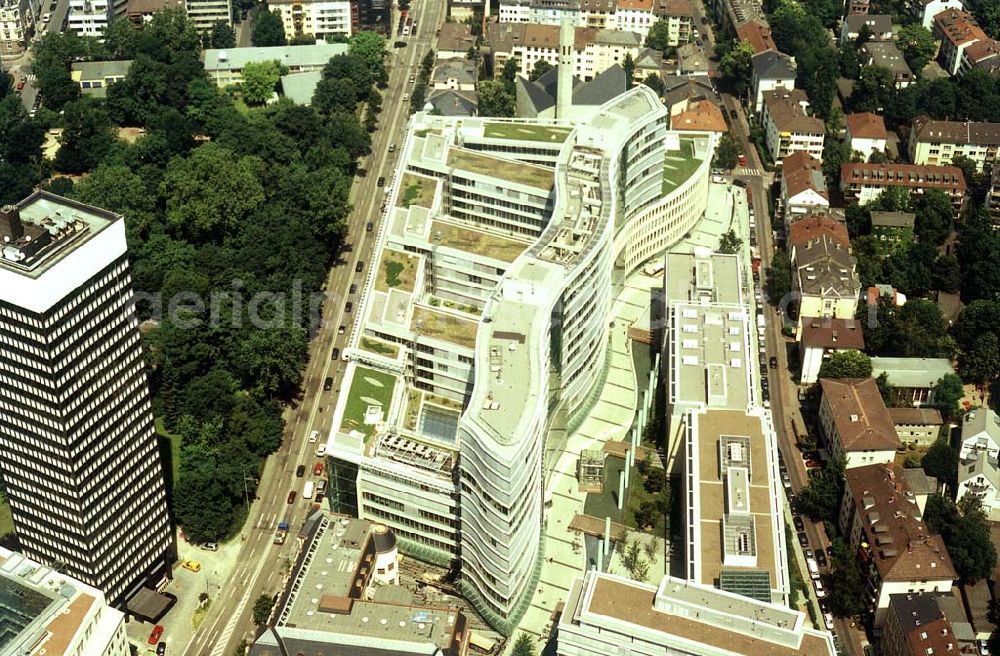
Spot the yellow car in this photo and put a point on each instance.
(192, 565)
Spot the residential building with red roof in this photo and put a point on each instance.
(855, 422)
(825, 278)
(803, 186)
(881, 519)
(788, 127)
(698, 116)
(938, 142)
(804, 230)
(862, 183)
(866, 133)
(822, 337)
(926, 10)
(956, 30)
(757, 33)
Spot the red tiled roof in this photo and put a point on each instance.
(814, 225)
(757, 34)
(903, 175)
(866, 125)
(859, 414)
(827, 332)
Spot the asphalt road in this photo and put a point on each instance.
(264, 565)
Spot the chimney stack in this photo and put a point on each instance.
(564, 79)
(11, 229)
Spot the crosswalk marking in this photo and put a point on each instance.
(746, 170)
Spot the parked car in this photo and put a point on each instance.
(191, 565)
(291, 497)
(799, 524)
(803, 539)
(321, 451)
(20, 84)
(348, 307)
(318, 469)
(807, 553)
(773, 362)
(399, 44)
(828, 621)
(314, 436)
(161, 649)
(300, 471)
(154, 635)
(821, 558)
(820, 592)
(210, 546)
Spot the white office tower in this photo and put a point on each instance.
(45, 612)
(78, 452)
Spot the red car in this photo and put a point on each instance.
(291, 497)
(20, 84)
(318, 469)
(154, 636)
(742, 160)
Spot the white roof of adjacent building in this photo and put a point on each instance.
(42, 608)
(225, 59)
(912, 372)
(981, 422)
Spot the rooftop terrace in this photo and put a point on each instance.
(417, 190)
(397, 270)
(526, 132)
(529, 175)
(474, 241)
(679, 165)
(370, 388)
(444, 325)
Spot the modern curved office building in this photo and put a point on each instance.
(485, 323)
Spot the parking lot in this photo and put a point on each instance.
(188, 586)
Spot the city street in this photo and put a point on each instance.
(263, 566)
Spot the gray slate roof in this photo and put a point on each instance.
(773, 65)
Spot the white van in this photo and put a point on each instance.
(813, 568)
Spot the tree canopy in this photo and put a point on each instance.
(259, 81)
(268, 28)
(846, 364)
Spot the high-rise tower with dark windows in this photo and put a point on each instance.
(78, 451)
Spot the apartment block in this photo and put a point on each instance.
(979, 477)
(47, 612)
(206, 13)
(140, 12)
(863, 183)
(455, 41)
(771, 70)
(926, 10)
(624, 15)
(980, 434)
(17, 24)
(885, 54)
(880, 519)
(855, 422)
(866, 133)
(225, 66)
(929, 623)
(937, 142)
(879, 27)
(355, 562)
(607, 614)
(733, 13)
(320, 18)
(757, 33)
(451, 406)
(821, 338)
(594, 50)
(917, 426)
(825, 277)
(90, 17)
(78, 449)
(803, 187)
(787, 126)
(957, 30)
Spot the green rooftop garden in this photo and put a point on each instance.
(379, 347)
(368, 387)
(417, 190)
(547, 133)
(527, 174)
(396, 271)
(476, 241)
(679, 165)
(444, 326)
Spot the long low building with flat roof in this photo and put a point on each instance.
(224, 66)
(483, 329)
(607, 614)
